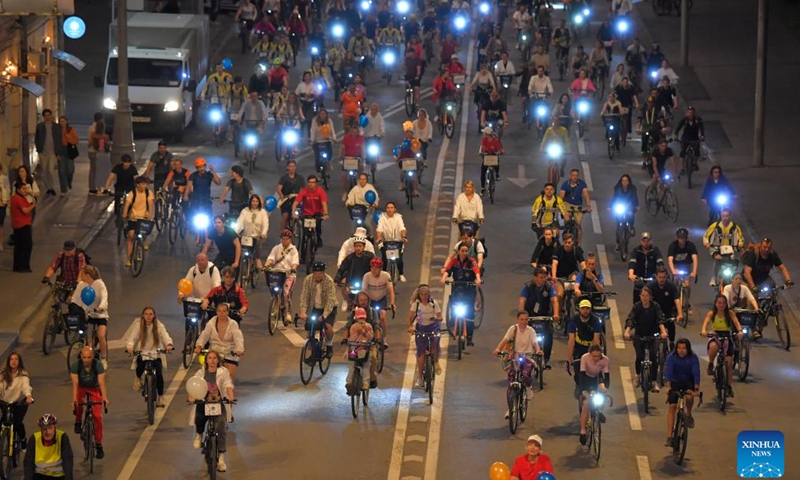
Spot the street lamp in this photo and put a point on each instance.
(123, 123)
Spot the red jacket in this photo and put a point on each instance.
(19, 218)
(491, 145)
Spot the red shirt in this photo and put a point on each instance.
(491, 145)
(19, 218)
(525, 470)
(440, 86)
(447, 50)
(353, 145)
(312, 201)
(456, 68)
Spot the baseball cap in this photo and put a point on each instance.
(360, 313)
(585, 303)
(69, 245)
(645, 235)
(535, 438)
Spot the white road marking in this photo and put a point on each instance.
(419, 418)
(416, 438)
(587, 176)
(603, 259)
(616, 325)
(297, 339)
(595, 218)
(644, 467)
(630, 399)
(521, 181)
(581, 145)
(413, 458)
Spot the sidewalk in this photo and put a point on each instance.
(76, 216)
(720, 84)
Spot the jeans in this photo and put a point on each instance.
(66, 170)
(93, 171)
(48, 164)
(23, 246)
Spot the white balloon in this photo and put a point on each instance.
(197, 388)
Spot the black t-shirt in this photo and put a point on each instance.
(665, 96)
(761, 266)
(126, 177)
(494, 109)
(625, 95)
(665, 297)
(224, 242)
(240, 192)
(682, 256)
(661, 159)
(568, 261)
(161, 165)
(290, 185)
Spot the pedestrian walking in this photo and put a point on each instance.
(22, 205)
(5, 197)
(66, 163)
(98, 138)
(50, 150)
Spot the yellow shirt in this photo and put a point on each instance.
(222, 84)
(545, 211)
(558, 134)
(139, 206)
(718, 324)
(718, 234)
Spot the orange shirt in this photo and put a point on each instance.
(351, 104)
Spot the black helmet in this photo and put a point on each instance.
(682, 232)
(318, 266)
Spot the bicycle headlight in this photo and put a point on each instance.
(745, 330)
(727, 272)
(554, 150)
(201, 221)
(765, 289)
(722, 200)
(484, 8)
(388, 57)
(611, 127)
(460, 310)
(171, 106)
(654, 74)
(598, 399)
(541, 111)
(449, 107)
(251, 140)
(578, 19)
(540, 338)
(373, 150)
(365, 5)
(666, 176)
(337, 30)
(681, 272)
(215, 115)
(620, 208)
(356, 286)
(583, 107)
(524, 38)
(314, 50)
(377, 308)
(320, 87)
(290, 137)
(410, 173)
(586, 12)
(460, 22)
(622, 26)
(403, 7)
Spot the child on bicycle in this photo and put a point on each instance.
(360, 331)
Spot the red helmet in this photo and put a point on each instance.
(376, 262)
(287, 233)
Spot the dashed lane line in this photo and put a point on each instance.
(630, 400)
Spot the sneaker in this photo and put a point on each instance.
(373, 383)
(78, 428)
(583, 439)
(438, 368)
(602, 417)
(287, 319)
(137, 384)
(350, 390)
(506, 415)
(93, 191)
(128, 264)
(668, 442)
(636, 381)
(528, 394)
(436, 118)
(329, 351)
(160, 403)
(198, 441)
(344, 306)
(730, 391)
(221, 466)
(99, 453)
(107, 192)
(710, 370)
(403, 278)
(690, 421)
(483, 192)
(654, 387)
(713, 282)
(547, 365)
(418, 383)
(470, 343)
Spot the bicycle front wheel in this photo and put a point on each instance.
(150, 398)
(513, 411)
(325, 362)
(784, 336)
(172, 228)
(212, 456)
(680, 437)
(430, 373)
(5, 457)
(73, 352)
(381, 353)
(88, 442)
(597, 435)
(479, 311)
(671, 205)
(307, 361)
(137, 258)
(188, 347)
(274, 314)
(450, 126)
(50, 332)
(651, 200)
(646, 386)
(743, 364)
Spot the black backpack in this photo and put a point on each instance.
(146, 203)
(78, 251)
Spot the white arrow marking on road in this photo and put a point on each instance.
(603, 259)
(644, 467)
(595, 218)
(630, 398)
(616, 325)
(587, 176)
(521, 181)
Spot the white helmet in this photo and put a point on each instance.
(361, 240)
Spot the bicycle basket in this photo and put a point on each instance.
(275, 280)
(491, 160)
(247, 241)
(350, 163)
(358, 211)
(144, 227)
(409, 164)
(73, 321)
(192, 309)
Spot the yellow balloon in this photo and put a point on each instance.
(499, 471)
(185, 287)
(201, 359)
(408, 125)
(415, 145)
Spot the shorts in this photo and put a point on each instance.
(413, 81)
(672, 396)
(100, 322)
(2, 216)
(235, 363)
(130, 225)
(286, 207)
(330, 319)
(382, 303)
(727, 344)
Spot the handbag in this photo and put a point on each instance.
(72, 151)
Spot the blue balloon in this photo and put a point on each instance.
(406, 144)
(363, 121)
(227, 63)
(545, 476)
(88, 295)
(370, 197)
(396, 151)
(270, 203)
(376, 216)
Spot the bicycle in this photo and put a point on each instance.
(176, 224)
(623, 217)
(119, 221)
(447, 121)
(457, 312)
(380, 340)
(279, 306)
(87, 429)
(516, 394)
(492, 163)
(373, 147)
(322, 158)
(691, 161)
(599, 75)
(609, 120)
(720, 371)
(161, 210)
(358, 394)
(661, 356)
(248, 271)
(82, 340)
(351, 166)
(597, 400)
(393, 250)
(217, 113)
(680, 432)
(666, 200)
(308, 241)
(149, 390)
(683, 295)
(410, 103)
(600, 309)
(741, 350)
(538, 323)
(571, 226)
(11, 443)
(459, 80)
(314, 351)
(143, 229)
(768, 301)
(409, 168)
(538, 113)
(59, 321)
(645, 383)
(210, 445)
(251, 146)
(428, 362)
(194, 322)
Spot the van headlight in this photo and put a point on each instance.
(109, 104)
(171, 106)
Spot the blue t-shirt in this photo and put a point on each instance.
(573, 195)
(584, 334)
(579, 278)
(538, 299)
(201, 185)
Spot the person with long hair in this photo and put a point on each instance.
(15, 388)
(220, 384)
(625, 194)
(724, 323)
(66, 164)
(682, 373)
(647, 319)
(97, 310)
(148, 334)
(254, 222)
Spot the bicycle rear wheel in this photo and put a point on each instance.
(150, 398)
(5, 458)
(743, 364)
(680, 437)
(188, 347)
(409, 104)
(450, 126)
(381, 353)
(784, 336)
(274, 314)
(73, 351)
(137, 258)
(662, 361)
(50, 332)
(478, 320)
(324, 363)
(307, 361)
(651, 200)
(671, 205)
(490, 184)
(172, 228)
(513, 411)
(430, 373)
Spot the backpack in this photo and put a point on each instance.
(485, 250)
(210, 271)
(78, 251)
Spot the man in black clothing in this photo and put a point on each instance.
(694, 132)
(759, 262)
(644, 260)
(682, 257)
(545, 248)
(493, 110)
(665, 294)
(659, 159)
(353, 269)
(626, 94)
(227, 241)
(567, 262)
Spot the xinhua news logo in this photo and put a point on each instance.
(760, 454)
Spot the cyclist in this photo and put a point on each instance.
(540, 58)
(229, 248)
(427, 313)
(716, 188)
(352, 270)
(562, 40)
(694, 132)
(494, 111)
(625, 194)
(220, 384)
(482, 82)
(360, 331)
(318, 298)
(378, 285)
(464, 271)
(681, 373)
(545, 247)
(504, 68)
(391, 228)
(538, 298)
(350, 106)
(454, 67)
(490, 145)
(139, 205)
(230, 293)
(289, 186)
(589, 280)
(160, 164)
(611, 108)
(724, 233)
(667, 98)
(253, 114)
(254, 222)
(315, 204)
(658, 163)
(353, 145)
(323, 134)
(444, 90)
(241, 190)
(634, 58)
(645, 258)
(49, 453)
(568, 260)
(665, 294)
(15, 389)
(649, 125)
(539, 85)
(97, 311)
(124, 177)
(236, 99)
(556, 134)
(758, 263)
(68, 263)
(198, 187)
(218, 85)
(176, 182)
(546, 208)
(285, 258)
(723, 322)
(575, 193)
(468, 208)
(682, 257)
(595, 374)
(583, 331)
(224, 336)
(204, 276)
(578, 62)
(598, 60)
(523, 340)
(348, 246)
(476, 250)
(89, 378)
(148, 333)
(277, 77)
(647, 319)
(582, 86)
(739, 297)
(533, 462)
(626, 94)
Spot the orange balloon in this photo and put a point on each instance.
(499, 471)
(415, 145)
(325, 130)
(408, 125)
(185, 287)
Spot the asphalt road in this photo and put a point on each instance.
(286, 430)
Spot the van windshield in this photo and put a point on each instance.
(147, 72)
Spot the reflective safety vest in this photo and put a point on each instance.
(48, 459)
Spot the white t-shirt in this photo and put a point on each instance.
(524, 341)
(376, 287)
(203, 281)
(288, 257)
(426, 312)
